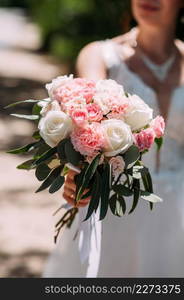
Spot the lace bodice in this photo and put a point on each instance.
(172, 153)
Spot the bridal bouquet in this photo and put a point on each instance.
(99, 130)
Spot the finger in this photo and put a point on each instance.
(70, 184)
(69, 192)
(83, 202)
(68, 199)
(71, 174)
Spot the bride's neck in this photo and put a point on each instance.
(157, 44)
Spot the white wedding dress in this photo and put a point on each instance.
(145, 243)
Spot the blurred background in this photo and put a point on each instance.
(39, 40)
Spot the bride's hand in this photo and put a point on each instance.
(70, 190)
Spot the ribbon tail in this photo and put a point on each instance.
(90, 241)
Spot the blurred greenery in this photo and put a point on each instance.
(67, 25)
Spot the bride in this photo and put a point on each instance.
(147, 61)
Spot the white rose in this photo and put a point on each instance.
(118, 136)
(109, 85)
(54, 127)
(138, 114)
(106, 90)
(48, 105)
(56, 82)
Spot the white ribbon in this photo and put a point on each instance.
(89, 243)
(90, 232)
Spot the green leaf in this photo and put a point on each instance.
(45, 156)
(139, 171)
(105, 191)
(61, 149)
(23, 149)
(41, 150)
(112, 203)
(36, 109)
(131, 156)
(20, 102)
(28, 117)
(122, 190)
(42, 171)
(147, 182)
(72, 155)
(87, 194)
(159, 142)
(95, 195)
(49, 180)
(79, 178)
(36, 135)
(56, 184)
(89, 172)
(120, 206)
(150, 197)
(136, 188)
(27, 165)
(117, 205)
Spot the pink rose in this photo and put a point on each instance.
(79, 116)
(144, 139)
(158, 125)
(118, 165)
(109, 95)
(86, 87)
(78, 87)
(88, 140)
(94, 112)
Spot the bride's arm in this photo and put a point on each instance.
(90, 63)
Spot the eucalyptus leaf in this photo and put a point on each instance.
(95, 195)
(89, 172)
(131, 156)
(27, 165)
(45, 156)
(147, 182)
(61, 149)
(79, 179)
(43, 148)
(36, 135)
(20, 102)
(28, 117)
(112, 203)
(122, 190)
(136, 189)
(42, 171)
(49, 180)
(72, 155)
(56, 184)
(87, 194)
(120, 206)
(105, 191)
(117, 205)
(36, 109)
(150, 197)
(139, 171)
(24, 149)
